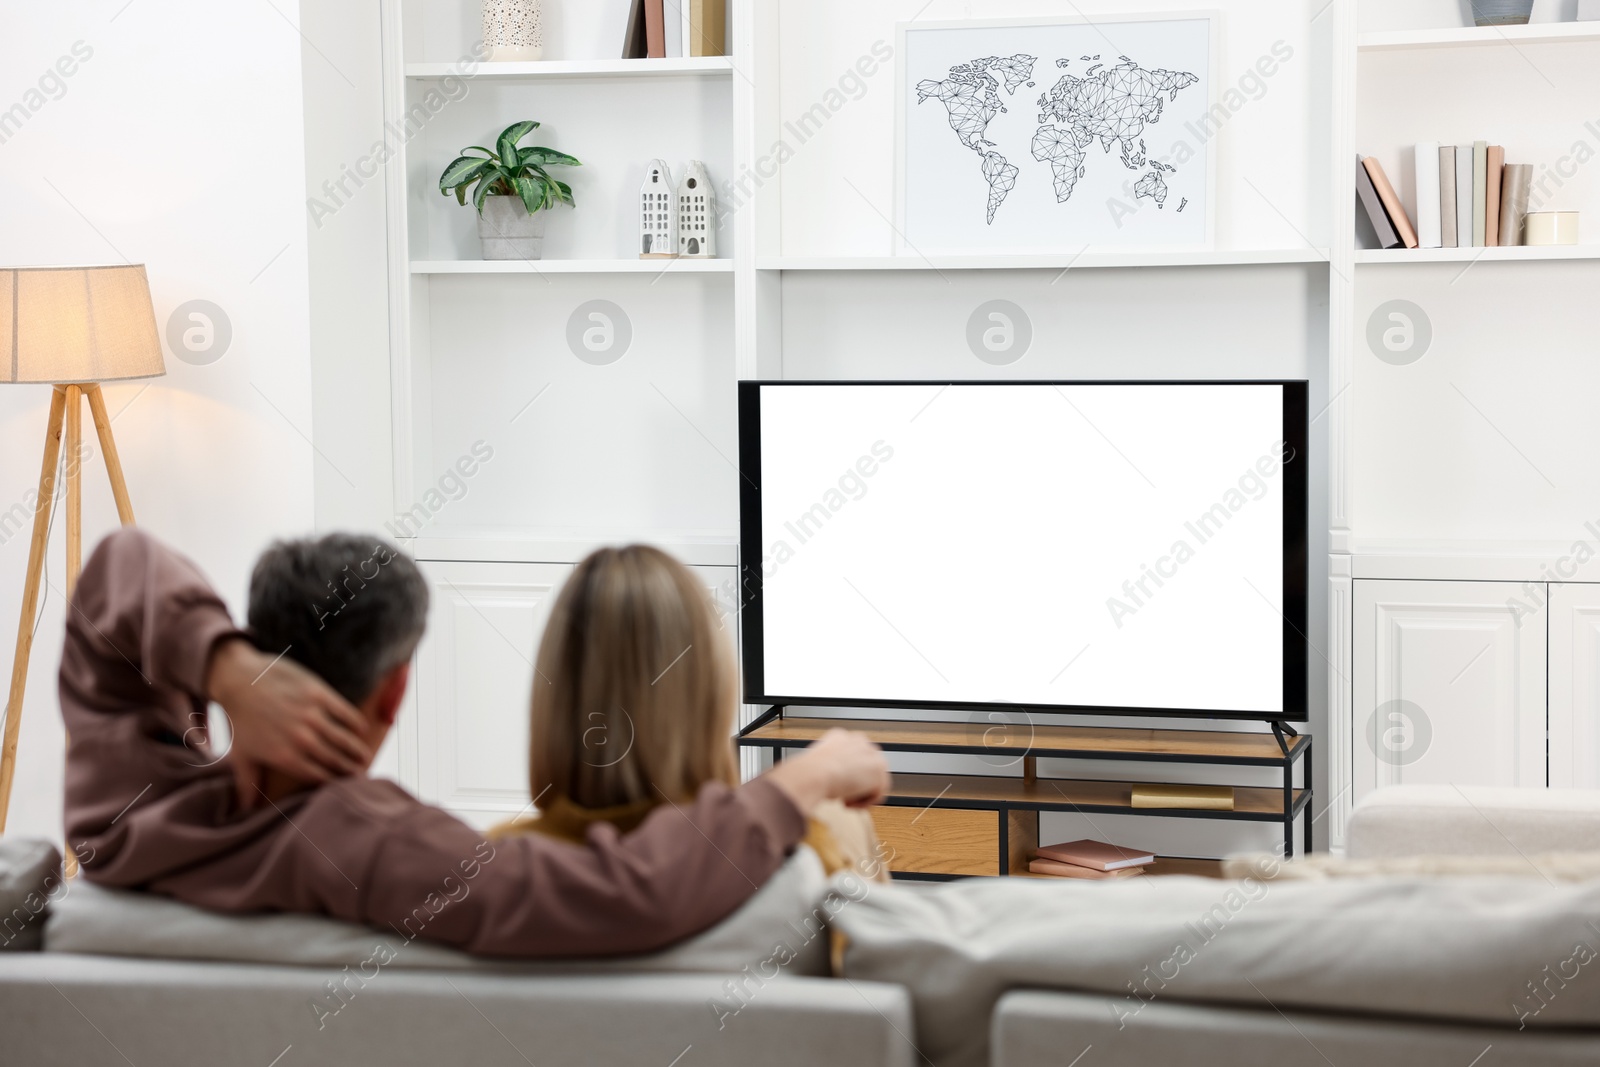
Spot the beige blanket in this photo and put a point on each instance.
(1496, 951)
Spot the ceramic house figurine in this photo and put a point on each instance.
(658, 213)
(697, 212)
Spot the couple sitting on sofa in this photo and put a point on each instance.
(643, 835)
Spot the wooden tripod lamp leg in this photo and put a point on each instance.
(74, 423)
(108, 446)
(30, 599)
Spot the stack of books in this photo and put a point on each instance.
(672, 29)
(1090, 859)
(1468, 196)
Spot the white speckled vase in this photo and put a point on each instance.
(513, 30)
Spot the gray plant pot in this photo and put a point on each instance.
(1500, 12)
(507, 231)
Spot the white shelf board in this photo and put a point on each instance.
(1073, 261)
(1512, 254)
(1472, 561)
(572, 266)
(523, 545)
(1472, 36)
(694, 67)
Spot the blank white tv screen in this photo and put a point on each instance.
(1106, 547)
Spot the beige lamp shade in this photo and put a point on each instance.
(77, 324)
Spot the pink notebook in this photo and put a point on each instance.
(1096, 855)
(1072, 870)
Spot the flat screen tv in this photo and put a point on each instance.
(1081, 547)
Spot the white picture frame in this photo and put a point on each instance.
(929, 153)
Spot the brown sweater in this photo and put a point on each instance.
(146, 808)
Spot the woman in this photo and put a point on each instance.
(634, 695)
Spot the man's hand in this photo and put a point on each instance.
(283, 716)
(839, 765)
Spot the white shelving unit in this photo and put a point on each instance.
(695, 67)
(1479, 36)
(1087, 259)
(1456, 492)
(806, 287)
(1425, 471)
(572, 266)
(1513, 254)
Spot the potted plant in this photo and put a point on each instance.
(513, 190)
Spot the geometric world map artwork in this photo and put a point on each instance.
(1064, 140)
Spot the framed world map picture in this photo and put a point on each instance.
(1035, 136)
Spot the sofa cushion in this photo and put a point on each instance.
(1550, 866)
(788, 911)
(178, 1013)
(30, 880)
(1409, 820)
(1466, 949)
(1039, 1029)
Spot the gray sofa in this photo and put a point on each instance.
(971, 997)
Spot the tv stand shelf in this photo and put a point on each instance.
(950, 825)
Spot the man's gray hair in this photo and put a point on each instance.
(349, 607)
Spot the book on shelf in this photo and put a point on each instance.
(1464, 195)
(1382, 228)
(1072, 870)
(1480, 188)
(708, 27)
(1429, 233)
(1391, 202)
(655, 29)
(1194, 797)
(1514, 186)
(677, 35)
(1491, 196)
(634, 45)
(1096, 855)
(1447, 196)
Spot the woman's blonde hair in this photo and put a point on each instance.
(635, 688)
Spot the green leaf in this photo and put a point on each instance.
(463, 170)
(484, 185)
(566, 191)
(547, 157)
(461, 194)
(509, 138)
(532, 193)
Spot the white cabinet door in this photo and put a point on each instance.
(1449, 684)
(1575, 685)
(474, 678)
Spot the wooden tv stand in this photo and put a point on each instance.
(956, 825)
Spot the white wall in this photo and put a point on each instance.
(177, 142)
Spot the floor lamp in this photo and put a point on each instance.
(71, 327)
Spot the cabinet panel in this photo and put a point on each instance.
(1575, 685)
(474, 672)
(1449, 684)
(939, 840)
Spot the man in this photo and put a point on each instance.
(289, 821)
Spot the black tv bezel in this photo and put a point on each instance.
(1296, 469)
